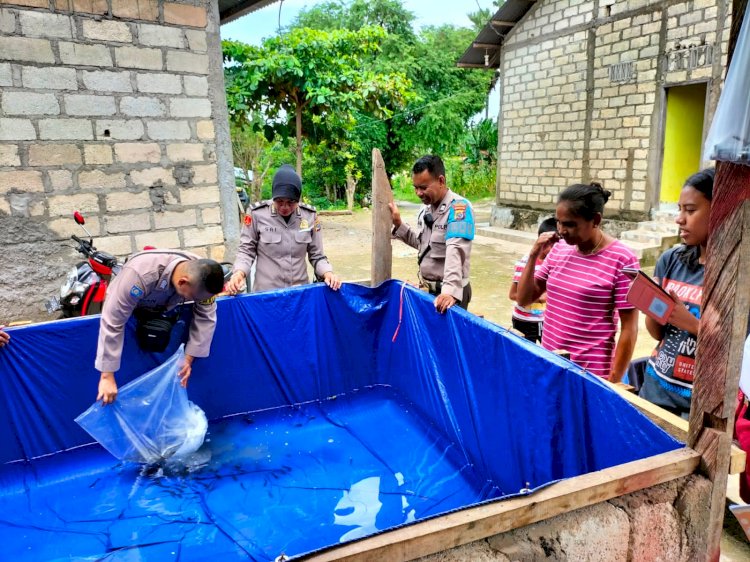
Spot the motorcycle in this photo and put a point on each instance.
(84, 289)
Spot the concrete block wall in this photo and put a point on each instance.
(659, 523)
(542, 133)
(563, 119)
(105, 108)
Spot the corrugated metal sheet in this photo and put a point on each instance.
(232, 9)
(484, 52)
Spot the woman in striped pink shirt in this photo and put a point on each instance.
(585, 286)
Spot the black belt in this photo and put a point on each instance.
(433, 287)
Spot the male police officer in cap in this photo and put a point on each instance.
(443, 240)
(277, 236)
(156, 281)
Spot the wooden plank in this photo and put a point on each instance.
(488, 46)
(472, 65)
(723, 325)
(382, 255)
(724, 312)
(476, 523)
(676, 426)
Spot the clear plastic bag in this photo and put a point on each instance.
(152, 418)
(729, 136)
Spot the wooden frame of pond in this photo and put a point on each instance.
(474, 524)
(641, 490)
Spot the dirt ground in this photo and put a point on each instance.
(348, 242)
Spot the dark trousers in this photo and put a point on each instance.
(532, 331)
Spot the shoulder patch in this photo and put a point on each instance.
(460, 220)
(248, 219)
(317, 224)
(136, 292)
(210, 300)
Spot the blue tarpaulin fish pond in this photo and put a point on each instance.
(332, 416)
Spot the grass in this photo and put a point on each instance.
(473, 181)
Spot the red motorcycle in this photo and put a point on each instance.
(83, 291)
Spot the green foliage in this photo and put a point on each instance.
(310, 78)
(481, 142)
(258, 158)
(356, 76)
(473, 181)
(403, 190)
(451, 95)
(446, 96)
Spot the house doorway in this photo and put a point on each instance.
(683, 138)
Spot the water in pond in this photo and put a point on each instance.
(288, 481)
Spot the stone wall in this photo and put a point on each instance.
(107, 107)
(659, 523)
(582, 95)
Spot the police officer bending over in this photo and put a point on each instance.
(444, 235)
(277, 236)
(151, 284)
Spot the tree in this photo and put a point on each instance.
(309, 77)
(446, 96)
(451, 95)
(394, 56)
(256, 156)
(481, 142)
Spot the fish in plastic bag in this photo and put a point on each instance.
(152, 418)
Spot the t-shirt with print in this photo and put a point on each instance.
(669, 373)
(535, 311)
(584, 293)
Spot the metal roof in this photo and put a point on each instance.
(232, 9)
(484, 52)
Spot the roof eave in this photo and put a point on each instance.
(236, 10)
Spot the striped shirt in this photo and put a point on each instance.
(583, 294)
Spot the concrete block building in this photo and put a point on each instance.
(619, 91)
(115, 108)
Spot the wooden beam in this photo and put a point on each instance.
(676, 426)
(488, 46)
(473, 65)
(338, 213)
(723, 325)
(382, 255)
(502, 23)
(476, 523)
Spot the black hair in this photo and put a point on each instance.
(208, 274)
(431, 163)
(702, 181)
(547, 225)
(585, 200)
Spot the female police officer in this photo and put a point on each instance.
(276, 237)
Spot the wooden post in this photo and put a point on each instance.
(382, 255)
(723, 326)
(724, 314)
